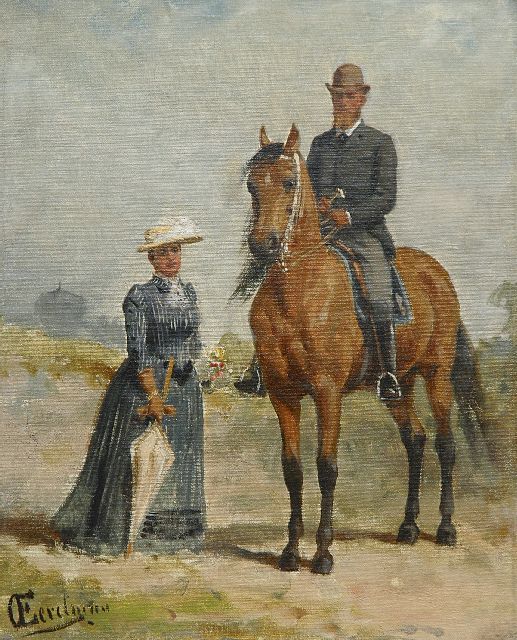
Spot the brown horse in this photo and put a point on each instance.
(308, 341)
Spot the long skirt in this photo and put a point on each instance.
(96, 515)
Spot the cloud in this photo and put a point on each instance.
(114, 110)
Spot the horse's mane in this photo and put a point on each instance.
(254, 271)
(250, 278)
(269, 153)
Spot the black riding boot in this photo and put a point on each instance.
(251, 380)
(387, 386)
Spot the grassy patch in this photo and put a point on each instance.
(196, 612)
(38, 351)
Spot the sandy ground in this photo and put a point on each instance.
(378, 591)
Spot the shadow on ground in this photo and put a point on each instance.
(30, 529)
(238, 541)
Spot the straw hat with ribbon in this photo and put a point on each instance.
(179, 230)
(347, 77)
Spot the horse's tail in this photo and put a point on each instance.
(469, 394)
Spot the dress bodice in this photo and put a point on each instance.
(162, 320)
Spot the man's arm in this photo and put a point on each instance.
(372, 210)
(313, 167)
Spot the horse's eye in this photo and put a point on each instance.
(289, 184)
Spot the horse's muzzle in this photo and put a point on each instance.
(267, 249)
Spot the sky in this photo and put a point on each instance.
(119, 113)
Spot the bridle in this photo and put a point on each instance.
(296, 211)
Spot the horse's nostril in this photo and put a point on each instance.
(253, 246)
(266, 248)
(273, 242)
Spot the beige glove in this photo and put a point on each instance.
(156, 408)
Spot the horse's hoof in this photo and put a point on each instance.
(408, 533)
(446, 534)
(322, 564)
(289, 560)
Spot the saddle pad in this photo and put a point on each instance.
(402, 312)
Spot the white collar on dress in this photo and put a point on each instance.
(174, 282)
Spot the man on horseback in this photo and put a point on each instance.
(302, 314)
(353, 170)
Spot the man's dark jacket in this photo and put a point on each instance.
(365, 167)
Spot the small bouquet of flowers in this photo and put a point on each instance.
(216, 364)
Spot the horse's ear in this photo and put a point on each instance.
(264, 140)
(292, 143)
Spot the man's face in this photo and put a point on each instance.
(348, 104)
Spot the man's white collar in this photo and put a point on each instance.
(351, 129)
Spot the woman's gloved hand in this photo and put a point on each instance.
(156, 408)
(338, 212)
(182, 373)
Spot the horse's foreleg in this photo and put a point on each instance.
(288, 412)
(440, 392)
(328, 405)
(413, 437)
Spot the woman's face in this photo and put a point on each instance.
(166, 260)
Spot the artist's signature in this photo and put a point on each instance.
(24, 613)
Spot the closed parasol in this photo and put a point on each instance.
(151, 458)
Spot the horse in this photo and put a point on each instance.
(308, 342)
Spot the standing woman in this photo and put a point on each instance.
(162, 321)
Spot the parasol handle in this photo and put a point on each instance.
(165, 392)
(142, 412)
(167, 381)
(168, 409)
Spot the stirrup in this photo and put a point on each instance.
(388, 387)
(251, 383)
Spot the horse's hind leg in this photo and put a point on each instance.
(288, 412)
(413, 437)
(440, 393)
